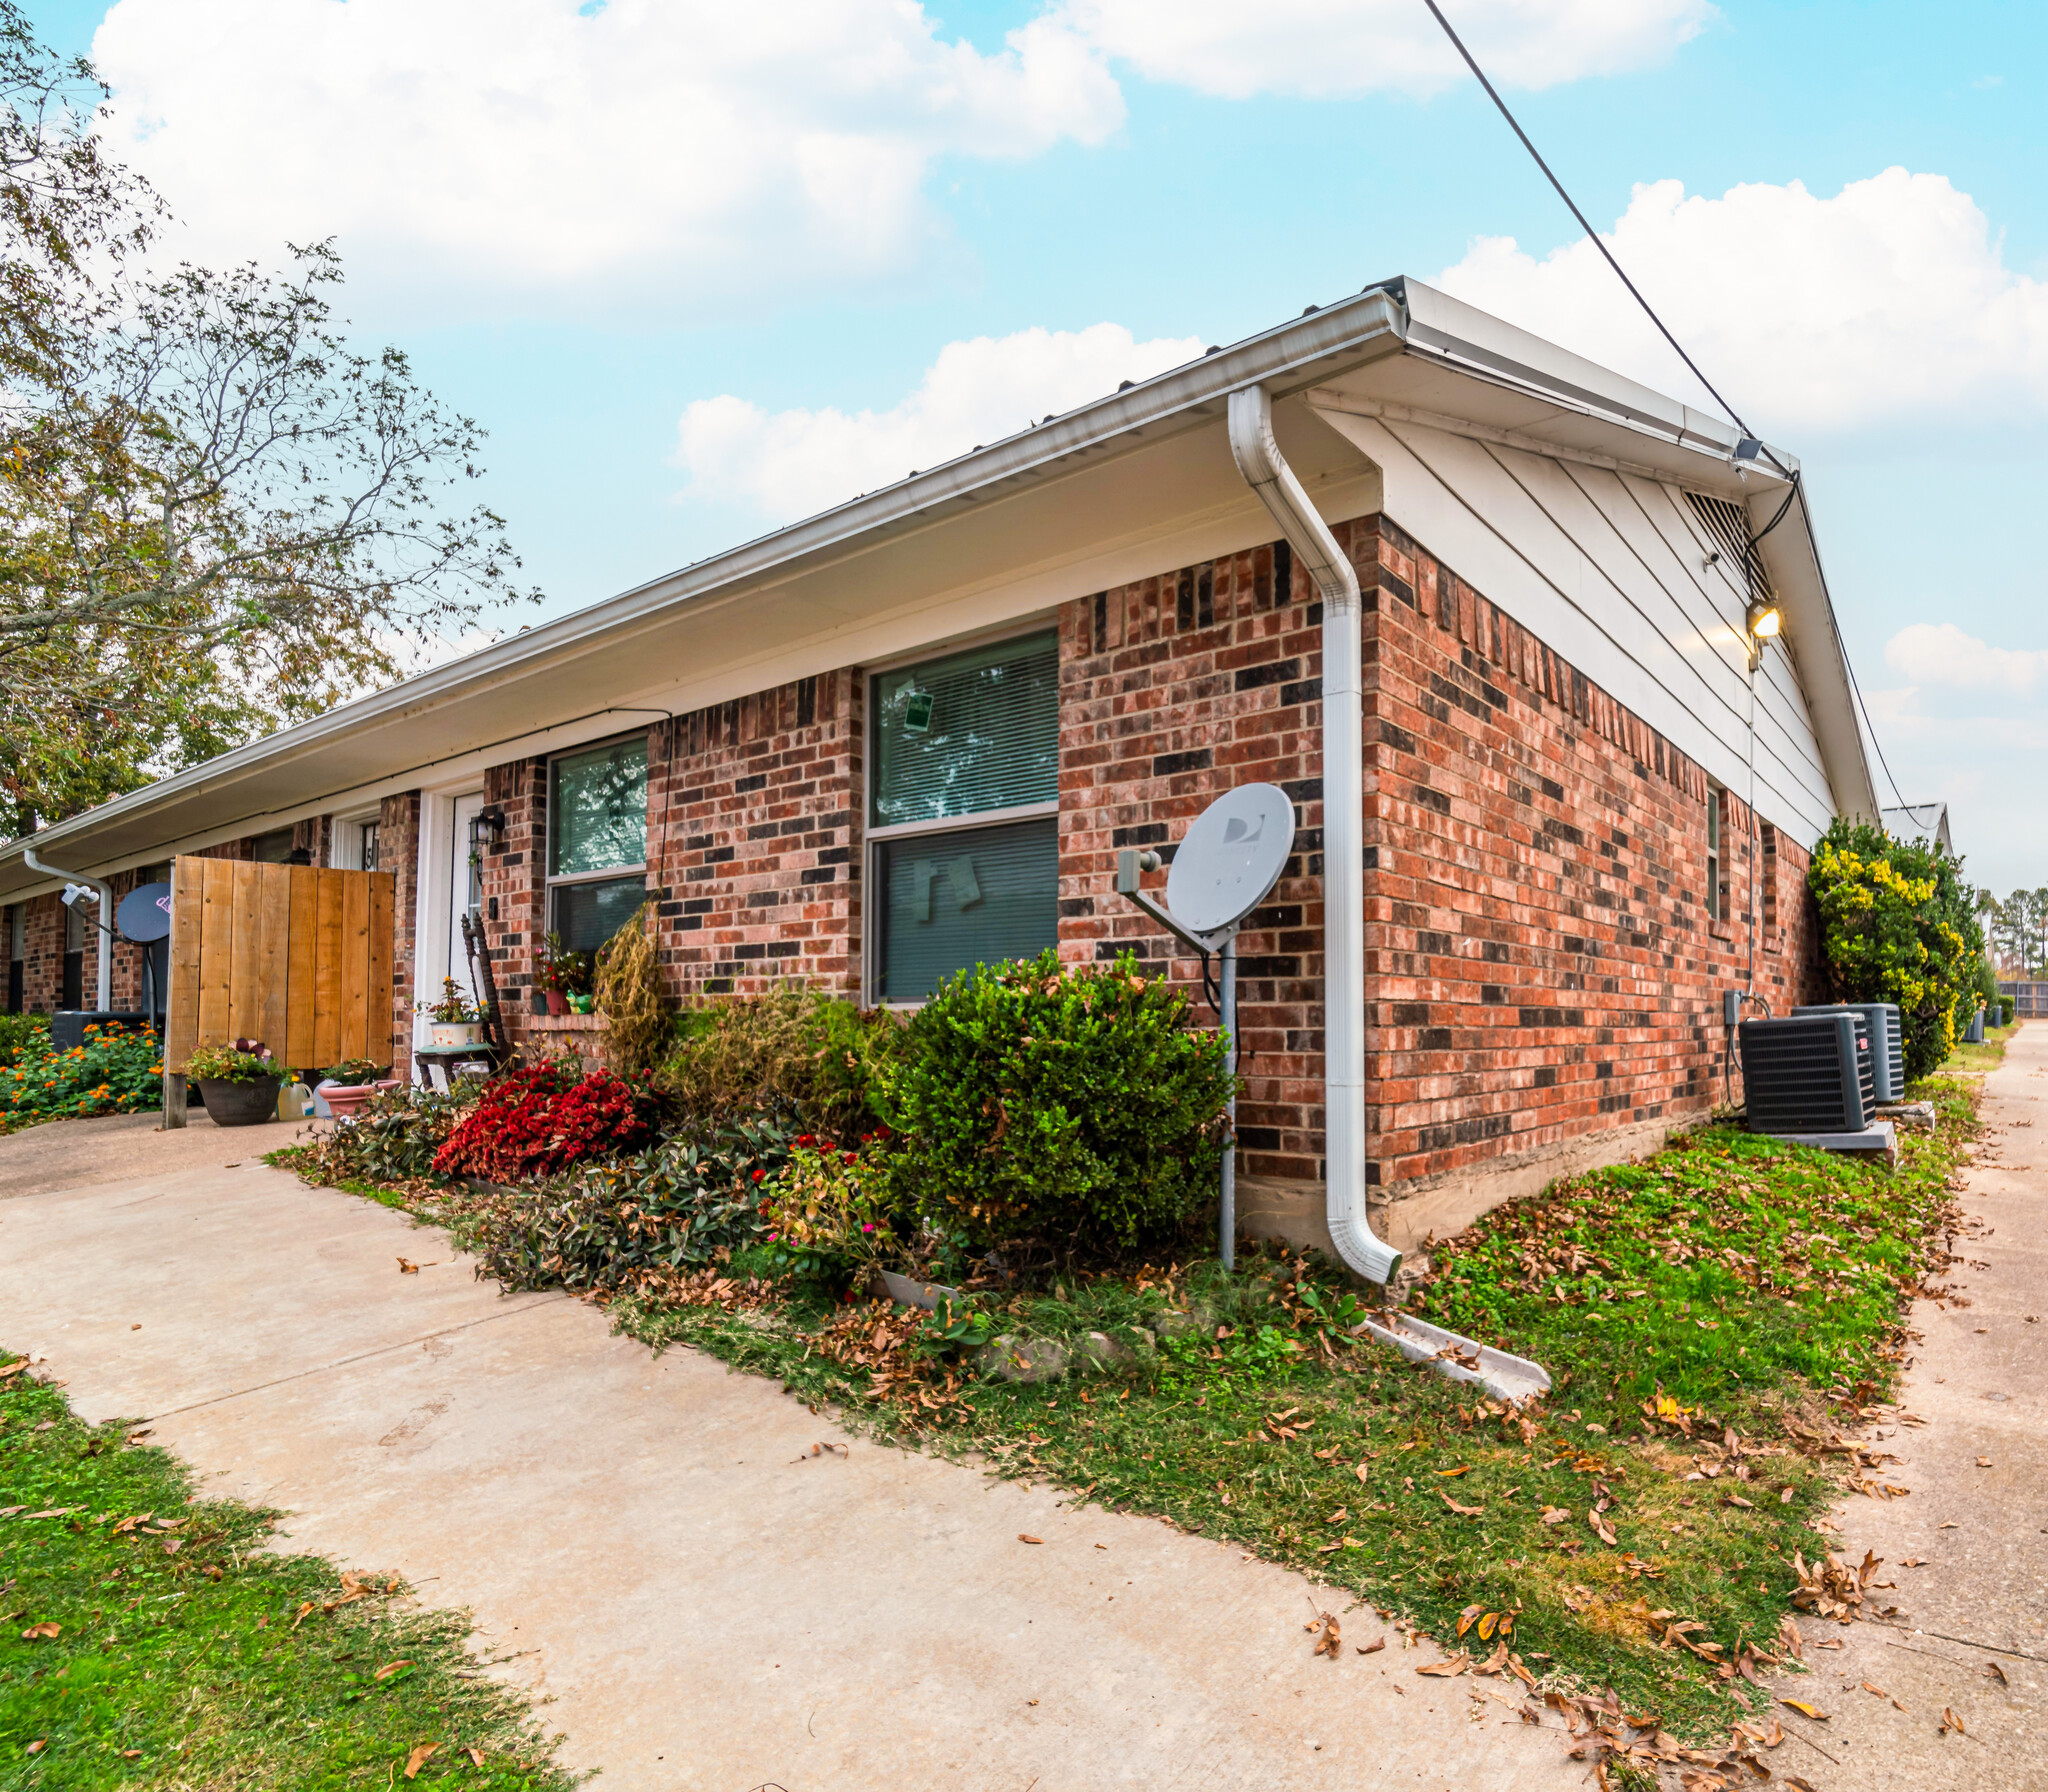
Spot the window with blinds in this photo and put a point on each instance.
(975, 734)
(597, 842)
(976, 731)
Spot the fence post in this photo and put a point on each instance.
(174, 1102)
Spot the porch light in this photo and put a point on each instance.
(1765, 619)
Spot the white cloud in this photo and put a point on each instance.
(1888, 302)
(652, 151)
(1324, 48)
(1939, 653)
(789, 464)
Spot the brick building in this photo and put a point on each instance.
(917, 730)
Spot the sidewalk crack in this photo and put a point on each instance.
(171, 1412)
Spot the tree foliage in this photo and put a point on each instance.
(216, 516)
(1898, 924)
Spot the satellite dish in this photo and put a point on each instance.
(1230, 857)
(145, 913)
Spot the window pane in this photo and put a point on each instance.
(586, 915)
(599, 817)
(980, 730)
(975, 897)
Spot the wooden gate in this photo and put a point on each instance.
(295, 956)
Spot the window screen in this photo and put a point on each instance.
(598, 819)
(973, 896)
(586, 915)
(969, 733)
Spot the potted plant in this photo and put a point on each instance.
(453, 1020)
(551, 975)
(351, 1083)
(238, 1083)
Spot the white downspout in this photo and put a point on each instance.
(105, 929)
(1268, 474)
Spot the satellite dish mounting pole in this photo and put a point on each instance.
(1226, 1223)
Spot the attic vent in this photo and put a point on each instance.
(1727, 527)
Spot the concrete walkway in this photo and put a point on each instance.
(1976, 1518)
(703, 1603)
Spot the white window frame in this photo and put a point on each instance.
(1717, 841)
(348, 834)
(569, 880)
(873, 839)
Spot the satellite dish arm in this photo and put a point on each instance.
(106, 929)
(1266, 471)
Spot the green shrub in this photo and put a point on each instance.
(1897, 925)
(835, 1203)
(20, 1032)
(623, 1225)
(1079, 1107)
(395, 1136)
(116, 1071)
(794, 1052)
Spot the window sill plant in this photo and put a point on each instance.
(238, 1083)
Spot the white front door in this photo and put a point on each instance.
(466, 890)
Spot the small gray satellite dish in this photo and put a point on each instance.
(145, 913)
(1230, 857)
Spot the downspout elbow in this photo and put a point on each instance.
(1266, 471)
(105, 955)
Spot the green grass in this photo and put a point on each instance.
(189, 1655)
(1969, 1060)
(1728, 1283)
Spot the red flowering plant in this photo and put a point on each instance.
(541, 1119)
(832, 1201)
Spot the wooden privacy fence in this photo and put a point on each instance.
(296, 956)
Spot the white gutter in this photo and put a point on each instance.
(1268, 474)
(106, 922)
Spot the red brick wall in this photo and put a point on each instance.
(43, 953)
(1539, 957)
(754, 837)
(1172, 690)
(513, 877)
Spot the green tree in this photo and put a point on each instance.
(1898, 924)
(216, 516)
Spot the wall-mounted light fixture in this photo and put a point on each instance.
(1765, 619)
(488, 828)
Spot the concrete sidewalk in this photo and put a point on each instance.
(703, 1603)
(1976, 1516)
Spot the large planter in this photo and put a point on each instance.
(241, 1104)
(454, 1032)
(346, 1100)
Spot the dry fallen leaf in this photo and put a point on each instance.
(390, 1668)
(1462, 1511)
(1806, 1710)
(419, 1757)
(41, 1632)
(1993, 1670)
(476, 1756)
(1556, 1515)
(1374, 1647)
(1450, 1667)
(406, 1268)
(1331, 1643)
(1026, 1537)
(1601, 1528)
(1949, 1721)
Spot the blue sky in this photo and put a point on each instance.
(697, 272)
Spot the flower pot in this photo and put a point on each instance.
(540, 1001)
(241, 1104)
(346, 1100)
(453, 1032)
(558, 1001)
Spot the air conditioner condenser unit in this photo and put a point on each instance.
(1887, 1043)
(1809, 1078)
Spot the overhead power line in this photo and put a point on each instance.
(1677, 348)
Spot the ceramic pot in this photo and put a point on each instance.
(346, 1100)
(240, 1104)
(453, 1032)
(558, 1001)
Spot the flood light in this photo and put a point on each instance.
(1765, 619)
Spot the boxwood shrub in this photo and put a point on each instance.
(1079, 1106)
